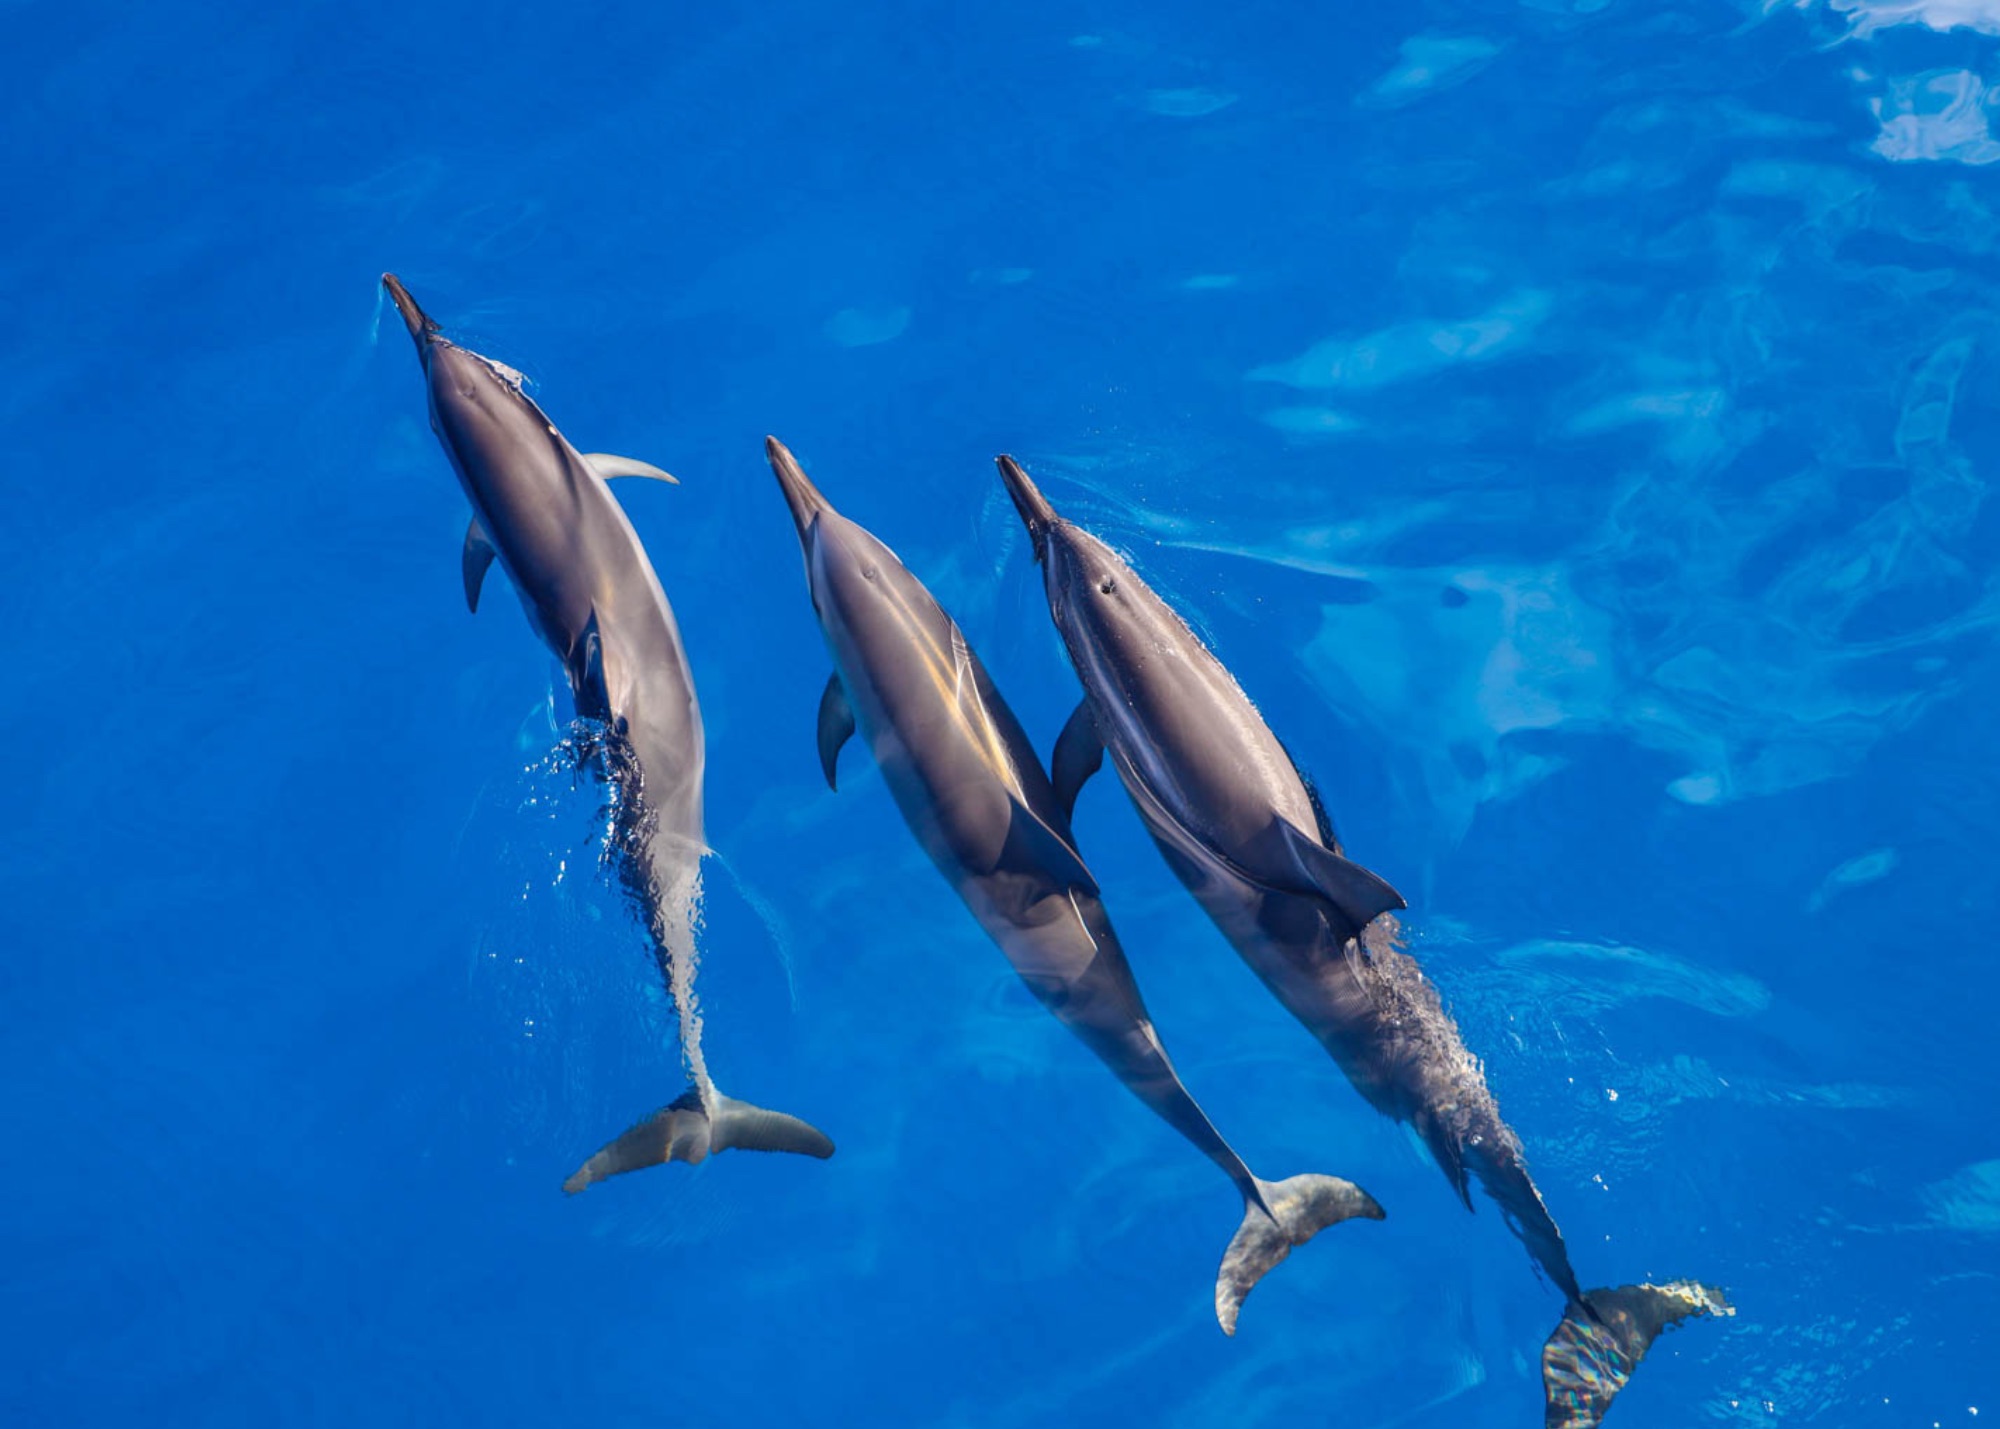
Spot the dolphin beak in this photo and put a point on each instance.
(1036, 513)
(422, 329)
(800, 494)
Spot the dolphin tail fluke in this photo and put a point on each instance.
(743, 1127)
(1603, 1337)
(1300, 1207)
(684, 1130)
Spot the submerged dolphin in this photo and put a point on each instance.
(1246, 833)
(969, 786)
(544, 511)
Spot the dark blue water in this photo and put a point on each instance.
(1572, 420)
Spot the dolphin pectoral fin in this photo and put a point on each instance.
(586, 671)
(1360, 895)
(683, 1130)
(1308, 870)
(609, 467)
(1602, 1338)
(1079, 753)
(473, 561)
(1300, 1208)
(836, 726)
(1033, 844)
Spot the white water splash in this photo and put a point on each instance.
(513, 377)
(676, 924)
(667, 867)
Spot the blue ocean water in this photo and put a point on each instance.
(1570, 419)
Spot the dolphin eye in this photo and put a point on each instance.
(1107, 585)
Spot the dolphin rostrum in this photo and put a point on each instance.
(543, 509)
(1246, 832)
(972, 791)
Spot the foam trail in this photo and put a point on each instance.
(662, 875)
(674, 929)
(666, 879)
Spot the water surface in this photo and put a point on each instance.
(1571, 419)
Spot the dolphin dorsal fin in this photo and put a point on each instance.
(1032, 841)
(473, 561)
(836, 726)
(609, 467)
(1078, 754)
(586, 671)
(1304, 867)
(1360, 895)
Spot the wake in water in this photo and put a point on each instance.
(660, 872)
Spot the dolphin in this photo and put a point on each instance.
(972, 791)
(544, 511)
(1245, 831)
